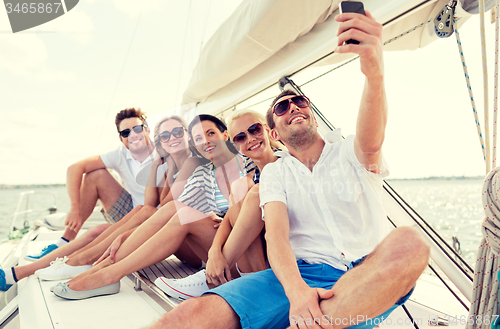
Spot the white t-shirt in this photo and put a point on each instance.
(335, 212)
(133, 172)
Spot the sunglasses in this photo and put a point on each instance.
(255, 130)
(178, 132)
(126, 132)
(282, 107)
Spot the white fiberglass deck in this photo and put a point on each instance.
(131, 308)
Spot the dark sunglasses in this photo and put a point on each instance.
(255, 130)
(282, 107)
(178, 132)
(126, 132)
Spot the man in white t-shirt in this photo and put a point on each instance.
(89, 180)
(333, 261)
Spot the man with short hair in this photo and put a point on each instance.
(333, 262)
(89, 180)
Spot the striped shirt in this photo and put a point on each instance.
(199, 193)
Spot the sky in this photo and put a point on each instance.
(62, 83)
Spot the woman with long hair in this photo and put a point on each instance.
(238, 246)
(187, 221)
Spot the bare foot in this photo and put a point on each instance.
(90, 282)
(91, 271)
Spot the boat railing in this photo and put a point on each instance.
(25, 198)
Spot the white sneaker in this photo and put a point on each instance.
(59, 270)
(188, 287)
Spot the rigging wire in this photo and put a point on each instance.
(416, 27)
(122, 69)
(409, 316)
(469, 88)
(402, 203)
(439, 277)
(485, 82)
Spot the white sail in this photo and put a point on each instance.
(265, 40)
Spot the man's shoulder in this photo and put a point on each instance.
(273, 167)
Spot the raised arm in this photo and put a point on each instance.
(74, 178)
(372, 116)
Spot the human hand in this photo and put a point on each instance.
(111, 251)
(217, 220)
(304, 308)
(217, 268)
(73, 220)
(368, 32)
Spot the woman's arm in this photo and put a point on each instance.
(177, 187)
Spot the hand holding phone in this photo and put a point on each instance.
(352, 7)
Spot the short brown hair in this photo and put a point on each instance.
(269, 114)
(129, 113)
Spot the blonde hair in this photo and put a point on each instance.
(159, 148)
(238, 114)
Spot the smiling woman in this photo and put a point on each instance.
(175, 227)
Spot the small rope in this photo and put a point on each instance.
(469, 88)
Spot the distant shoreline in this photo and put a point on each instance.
(21, 186)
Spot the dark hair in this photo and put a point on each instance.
(269, 114)
(129, 113)
(217, 122)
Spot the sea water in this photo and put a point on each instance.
(452, 206)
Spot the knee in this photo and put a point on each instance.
(148, 209)
(97, 175)
(187, 313)
(410, 249)
(95, 231)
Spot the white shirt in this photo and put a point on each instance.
(335, 212)
(133, 172)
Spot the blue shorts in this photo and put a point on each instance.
(260, 301)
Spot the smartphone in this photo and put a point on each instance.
(352, 7)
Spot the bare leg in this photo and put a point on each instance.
(92, 252)
(27, 270)
(206, 312)
(244, 244)
(186, 253)
(163, 244)
(98, 184)
(386, 275)
(146, 230)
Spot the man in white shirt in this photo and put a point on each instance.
(333, 262)
(89, 180)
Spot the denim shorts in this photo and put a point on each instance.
(260, 301)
